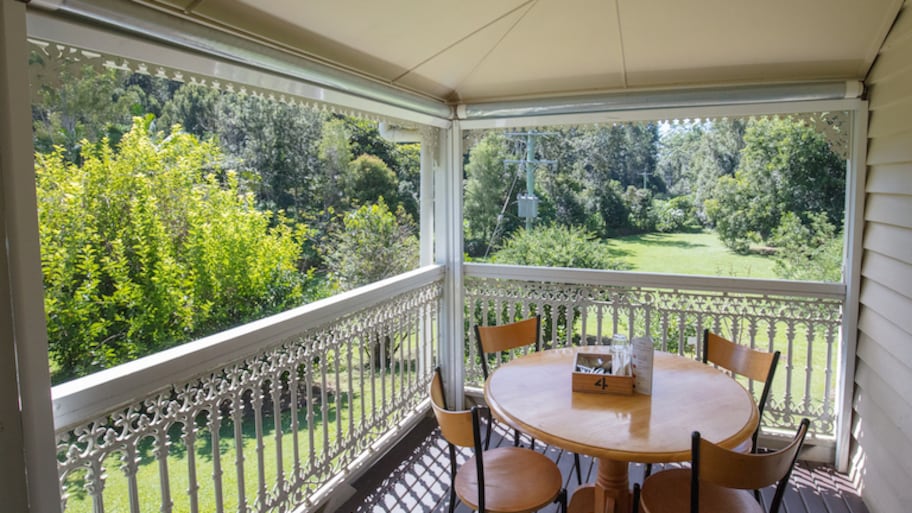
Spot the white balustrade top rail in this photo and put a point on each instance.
(657, 280)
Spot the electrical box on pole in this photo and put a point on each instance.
(527, 202)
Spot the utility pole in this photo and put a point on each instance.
(528, 202)
(645, 175)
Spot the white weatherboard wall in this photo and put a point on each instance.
(882, 426)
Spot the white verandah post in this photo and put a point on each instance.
(28, 476)
(448, 242)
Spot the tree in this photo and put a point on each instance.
(794, 164)
(808, 251)
(274, 144)
(196, 108)
(335, 156)
(639, 204)
(608, 202)
(80, 102)
(692, 157)
(401, 158)
(373, 243)
(144, 248)
(562, 198)
(641, 142)
(728, 210)
(785, 167)
(408, 156)
(612, 158)
(365, 138)
(369, 180)
(490, 190)
(676, 215)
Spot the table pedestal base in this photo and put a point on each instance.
(609, 494)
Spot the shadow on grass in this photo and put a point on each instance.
(662, 239)
(616, 252)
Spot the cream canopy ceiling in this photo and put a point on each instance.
(469, 51)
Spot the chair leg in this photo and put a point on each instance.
(579, 469)
(452, 478)
(515, 438)
(647, 471)
(561, 500)
(490, 421)
(635, 507)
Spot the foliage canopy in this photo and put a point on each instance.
(151, 244)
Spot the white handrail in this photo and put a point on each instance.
(657, 280)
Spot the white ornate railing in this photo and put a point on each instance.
(265, 417)
(800, 319)
(271, 415)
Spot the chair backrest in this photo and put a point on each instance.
(460, 428)
(741, 360)
(503, 337)
(455, 426)
(731, 469)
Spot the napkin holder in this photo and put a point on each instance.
(598, 383)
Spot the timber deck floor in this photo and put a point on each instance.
(414, 477)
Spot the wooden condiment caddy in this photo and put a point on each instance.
(599, 383)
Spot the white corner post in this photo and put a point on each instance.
(28, 476)
(448, 239)
(13, 485)
(855, 201)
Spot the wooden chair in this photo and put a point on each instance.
(720, 479)
(505, 479)
(504, 337)
(740, 360)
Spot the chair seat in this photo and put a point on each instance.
(516, 480)
(669, 492)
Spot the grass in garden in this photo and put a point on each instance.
(688, 253)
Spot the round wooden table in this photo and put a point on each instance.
(533, 394)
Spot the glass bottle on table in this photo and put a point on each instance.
(620, 355)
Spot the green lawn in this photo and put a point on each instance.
(688, 253)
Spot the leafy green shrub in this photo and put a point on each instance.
(373, 243)
(808, 251)
(676, 215)
(149, 245)
(557, 246)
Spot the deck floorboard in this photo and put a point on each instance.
(414, 477)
